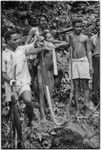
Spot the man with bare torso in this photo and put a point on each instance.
(81, 62)
(95, 47)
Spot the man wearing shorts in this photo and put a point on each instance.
(15, 68)
(95, 47)
(81, 61)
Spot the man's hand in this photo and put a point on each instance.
(91, 70)
(12, 82)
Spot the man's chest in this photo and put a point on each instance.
(78, 40)
(20, 57)
(10, 59)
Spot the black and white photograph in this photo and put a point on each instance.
(50, 74)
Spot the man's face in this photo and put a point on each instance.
(78, 28)
(15, 41)
(43, 22)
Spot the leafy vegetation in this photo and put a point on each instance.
(79, 132)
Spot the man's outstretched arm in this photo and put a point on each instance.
(62, 45)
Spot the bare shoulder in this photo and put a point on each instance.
(93, 36)
(93, 39)
(84, 37)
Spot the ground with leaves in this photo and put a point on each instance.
(79, 131)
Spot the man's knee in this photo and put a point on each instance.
(85, 85)
(27, 97)
(76, 83)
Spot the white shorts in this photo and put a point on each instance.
(18, 91)
(80, 68)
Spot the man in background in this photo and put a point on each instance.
(95, 47)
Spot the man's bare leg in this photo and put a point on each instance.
(88, 103)
(42, 105)
(85, 87)
(77, 93)
(27, 97)
(42, 96)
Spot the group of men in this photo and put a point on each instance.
(15, 67)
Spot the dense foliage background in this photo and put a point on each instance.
(78, 133)
(19, 14)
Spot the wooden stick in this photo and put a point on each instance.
(50, 105)
(71, 93)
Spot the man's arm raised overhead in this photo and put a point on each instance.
(32, 32)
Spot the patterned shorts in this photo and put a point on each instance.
(17, 92)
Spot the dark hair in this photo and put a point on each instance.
(43, 15)
(76, 21)
(7, 35)
(32, 21)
